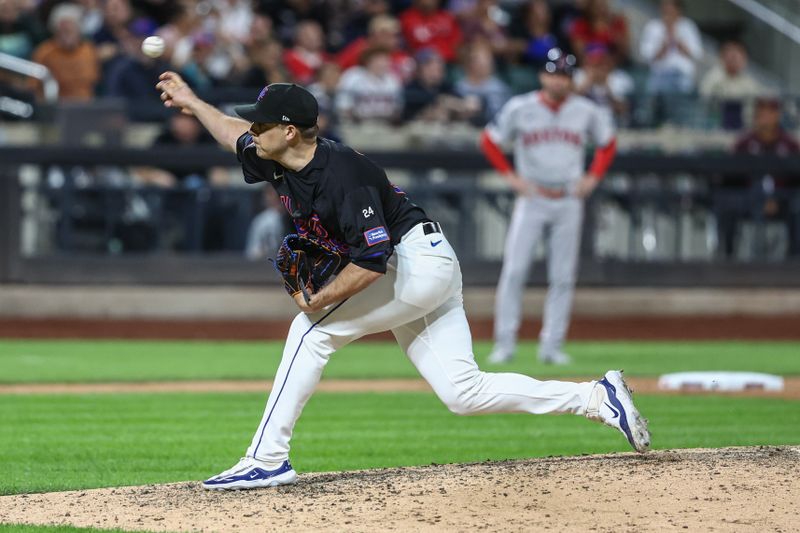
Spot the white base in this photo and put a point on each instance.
(720, 381)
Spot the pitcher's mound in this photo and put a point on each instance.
(741, 489)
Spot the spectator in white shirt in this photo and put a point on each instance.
(235, 17)
(729, 85)
(729, 78)
(671, 45)
(372, 90)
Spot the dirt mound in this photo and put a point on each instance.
(731, 489)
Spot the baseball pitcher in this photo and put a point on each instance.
(549, 130)
(395, 270)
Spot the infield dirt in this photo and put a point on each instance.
(751, 327)
(642, 385)
(730, 489)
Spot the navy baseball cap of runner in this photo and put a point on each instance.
(559, 63)
(282, 103)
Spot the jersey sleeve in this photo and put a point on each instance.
(254, 168)
(601, 128)
(361, 214)
(363, 222)
(502, 128)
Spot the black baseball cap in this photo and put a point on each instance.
(282, 103)
(559, 63)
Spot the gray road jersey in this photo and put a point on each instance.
(549, 145)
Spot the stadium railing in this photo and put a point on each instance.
(651, 222)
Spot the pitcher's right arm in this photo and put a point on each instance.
(224, 128)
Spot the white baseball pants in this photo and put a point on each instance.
(419, 300)
(530, 216)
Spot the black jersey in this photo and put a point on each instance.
(340, 197)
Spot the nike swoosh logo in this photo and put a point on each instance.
(616, 413)
(436, 243)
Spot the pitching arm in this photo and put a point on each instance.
(224, 128)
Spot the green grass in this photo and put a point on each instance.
(23, 361)
(60, 442)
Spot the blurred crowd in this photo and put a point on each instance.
(379, 60)
(394, 61)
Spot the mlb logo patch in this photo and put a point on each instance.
(376, 235)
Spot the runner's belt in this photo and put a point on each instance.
(553, 194)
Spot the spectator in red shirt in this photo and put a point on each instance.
(600, 27)
(383, 32)
(308, 54)
(425, 25)
(760, 196)
(767, 135)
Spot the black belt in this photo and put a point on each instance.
(431, 227)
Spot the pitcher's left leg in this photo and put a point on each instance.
(562, 266)
(440, 346)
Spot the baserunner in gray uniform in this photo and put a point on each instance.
(549, 131)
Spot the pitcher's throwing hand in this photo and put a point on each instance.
(175, 92)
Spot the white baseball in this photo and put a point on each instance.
(153, 46)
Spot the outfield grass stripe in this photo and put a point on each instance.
(29, 361)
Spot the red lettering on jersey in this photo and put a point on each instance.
(312, 227)
(551, 135)
(287, 203)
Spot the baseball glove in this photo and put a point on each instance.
(305, 264)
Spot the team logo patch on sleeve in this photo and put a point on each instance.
(375, 235)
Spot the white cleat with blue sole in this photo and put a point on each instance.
(250, 473)
(611, 403)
